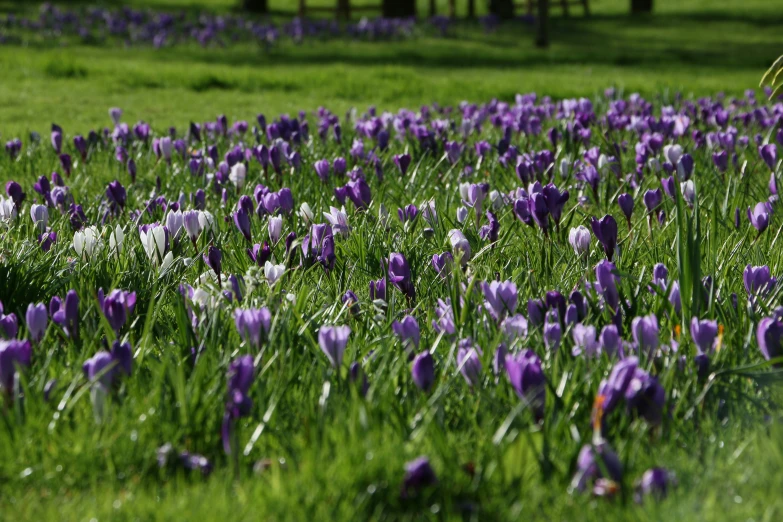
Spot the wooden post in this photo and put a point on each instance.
(256, 6)
(398, 8)
(344, 9)
(542, 24)
(503, 9)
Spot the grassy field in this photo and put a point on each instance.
(692, 47)
(327, 453)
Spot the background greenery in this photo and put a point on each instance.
(690, 46)
(346, 462)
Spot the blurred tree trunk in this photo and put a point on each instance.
(641, 6)
(398, 8)
(472, 8)
(542, 24)
(433, 8)
(503, 9)
(256, 6)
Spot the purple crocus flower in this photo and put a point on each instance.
(596, 462)
(526, 376)
(645, 332)
(612, 390)
(37, 319)
(655, 482)
(535, 311)
(769, 334)
(490, 231)
(409, 213)
(769, 153)
(213, 258)
(9, 325)
(553, 332)
(241, 374)
(14, 354)
(555, 201)
(704, 334)
(611, 344)
(400, 275)
(653, 199)
(758, 280)
(645, 396)
(103, 366)
(57, 141)
(252, 323)
(759, 217)
(605, 230)
(116, 195)
(403, 161)
(442, 263)
(66, 163)
(358, 191)
(116, 307)
(242, 222)
(721, 160)
(351, 301)
(539, 210)
(522, 211)
(469, 361)
(444, 321)
(80, 144)
(418, 475)
(408, 331)
(333, 340)
(14, 191)
(501, 298)
(423, 371)
(585, 341)
(674, 297)
(322, 169)
(378, 289)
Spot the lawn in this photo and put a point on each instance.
(313, 442)
(686, 47)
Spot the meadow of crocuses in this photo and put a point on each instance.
(486, 311)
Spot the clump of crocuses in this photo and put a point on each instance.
(241, 374)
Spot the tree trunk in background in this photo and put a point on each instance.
(641, 6)
(471, 8)
(256, 6)
(542, 24)
(433, 8)
(503, 9)
(399, 8)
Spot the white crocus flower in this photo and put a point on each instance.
(155, 243)
(306, 212)
(339, 220)
(116, 238)
(275, 226)
(87, 243)
(175, 222)
(192, 224)
(207, 222)
(237, 175)
(40, 216)
(7, 209)
(273, 272)
(383, 216)
(167, 262)
(460, 246)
